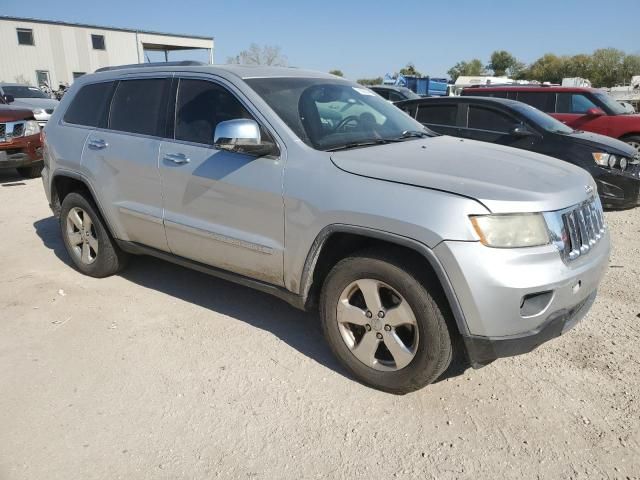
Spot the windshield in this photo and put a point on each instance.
(20, 91)
(614, 107)
(332, 114)
(541, 119)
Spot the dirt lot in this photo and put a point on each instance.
(163, 372)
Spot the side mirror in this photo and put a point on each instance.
(8, 98)
(595, 112)
(241, 135)
(521, 130)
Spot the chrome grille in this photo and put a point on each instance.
(18, 130)
(10, 130)
(584, 227)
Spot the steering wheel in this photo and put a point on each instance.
(345, 121)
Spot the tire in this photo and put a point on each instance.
(633, 140)
(424, 335)
(30, 172)
(91, 249)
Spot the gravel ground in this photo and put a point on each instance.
(163, 372)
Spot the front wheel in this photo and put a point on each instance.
(384, 325)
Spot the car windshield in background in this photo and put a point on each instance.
(23, 92)
(329, 115)
(541, 119)
(611, 104)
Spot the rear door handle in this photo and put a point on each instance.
(98, 144)
(177, 158)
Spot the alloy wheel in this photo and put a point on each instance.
(377, 324)
(82, 237)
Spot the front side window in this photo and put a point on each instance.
(573, 103)
(541, 119)
(201, 106)
(98, 42)
(139, 106)
(482, 118)
(332, 114)
(395, 96)
(90, 105)
(614, 107)
(438, 114)
(25, 36)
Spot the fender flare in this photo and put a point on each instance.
(422, 249)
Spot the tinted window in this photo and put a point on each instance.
(437, 114)
(541, 100)
(98, 42)
(89, 106)
(23, 91)
(485, 119)
(383, 92)
(25, 36)
(139, 106)
(574, 103)
(395, 96)
(201, 106)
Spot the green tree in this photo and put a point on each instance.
(501, 62)
(548, 68)
(337, 73)
(473, 67)
(257, 55)
(410, 70)
(370, 81)
(630, 67)
(607, 67)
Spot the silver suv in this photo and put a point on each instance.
(416, 248)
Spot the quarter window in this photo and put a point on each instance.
(139, 106)
(541, 100)
(574, 103)
(437, 114)
(98, 42)
(25, 36)
(485, 119)
(90, 105)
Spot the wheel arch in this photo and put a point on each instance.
(338, 241)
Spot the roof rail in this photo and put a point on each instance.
(530, 85)
(183, 63)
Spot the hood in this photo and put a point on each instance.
(602, 143)
(13, 114)
(35, 103)
(503, 179)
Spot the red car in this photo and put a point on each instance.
(587, 109)
(20, 144)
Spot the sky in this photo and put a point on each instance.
(367, 39)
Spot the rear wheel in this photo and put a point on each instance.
(30, 172)
(86, 238)
(384, 325)
(634, 141)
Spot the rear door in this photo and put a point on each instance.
(571, 108)
(223, 209)
(123, 158)
(439, 117)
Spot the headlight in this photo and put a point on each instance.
(623, 163)
(602, 159)
(612, 161)
(38, 111)
(511, 230)
(31, 127)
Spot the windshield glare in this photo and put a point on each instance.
(328, 114)
(541, 119)
(610, 103)
(23, 92)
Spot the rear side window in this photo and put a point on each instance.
(541, 100)
(486, 119)
(139, 106)
(573, 103)
(90, 105)
(437, 114)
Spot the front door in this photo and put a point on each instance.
(487, 124)
(124, 156)
(571, 109)
(221, 208)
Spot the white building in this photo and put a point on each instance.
(41, 52)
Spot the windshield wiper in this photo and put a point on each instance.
(347, 146)
(412, 134)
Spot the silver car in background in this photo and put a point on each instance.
(418, 250)
(26, 96)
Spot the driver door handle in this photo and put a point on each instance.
(97, 144)
(177, 158)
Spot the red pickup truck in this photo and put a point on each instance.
(20, 143)
(587, 109)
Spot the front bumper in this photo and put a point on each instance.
(618, 190)
(21, 152)
(513, 300)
